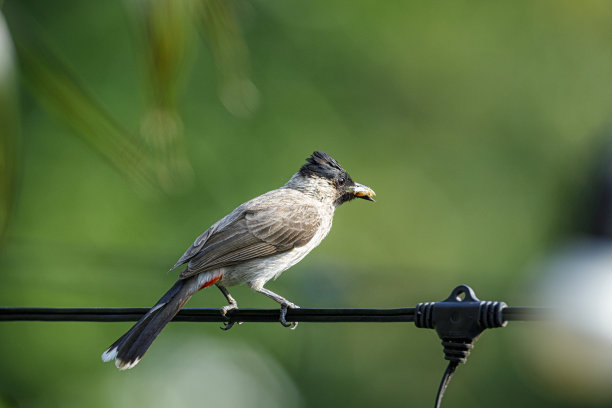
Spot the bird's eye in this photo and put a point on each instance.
(340, 182)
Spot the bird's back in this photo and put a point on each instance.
(277, 229)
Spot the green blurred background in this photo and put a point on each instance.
(129, 127)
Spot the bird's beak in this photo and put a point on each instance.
(361, 191)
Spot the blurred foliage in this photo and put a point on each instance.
(57, 88)
(9, 125)
(168, 35)
(475, 122)
(221, 29)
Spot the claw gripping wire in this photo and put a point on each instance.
(458, 322)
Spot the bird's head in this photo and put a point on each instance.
(323, 178)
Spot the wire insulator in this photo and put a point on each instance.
(457, 350)
(424, 315)
(491, 314)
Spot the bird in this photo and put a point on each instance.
(253, 244)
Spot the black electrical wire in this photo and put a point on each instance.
(448, 374)
(82, 314)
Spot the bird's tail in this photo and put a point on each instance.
(129, 348)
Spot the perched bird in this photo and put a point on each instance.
(253, 244)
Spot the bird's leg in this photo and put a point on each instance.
(285, 304)
(233, 305)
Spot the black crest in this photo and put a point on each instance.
(322, 164)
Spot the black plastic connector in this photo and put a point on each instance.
(458, 321)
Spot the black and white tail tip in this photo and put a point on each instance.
(111, 354)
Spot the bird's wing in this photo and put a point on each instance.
(268, 225)
(198, 244)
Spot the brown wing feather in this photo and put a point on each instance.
(256, 229)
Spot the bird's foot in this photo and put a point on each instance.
(283, 315)
(228, 324)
